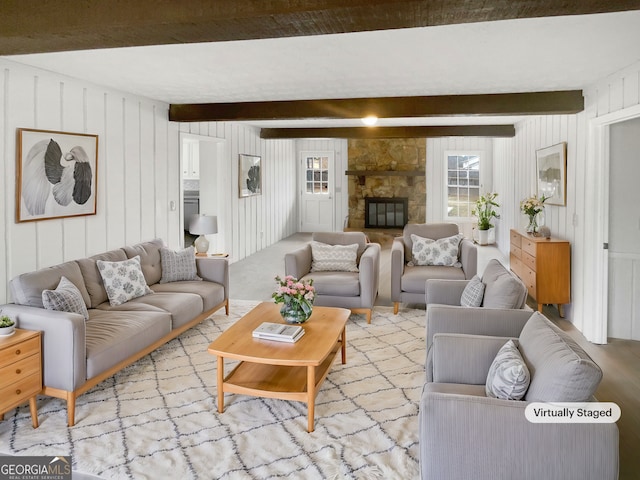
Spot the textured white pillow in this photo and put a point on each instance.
(65, 298)
(123, 280)
(473, 293)
(178, 266)
(333, 258)
(508, 376)
(444, 251)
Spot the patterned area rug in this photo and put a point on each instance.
(158, 417)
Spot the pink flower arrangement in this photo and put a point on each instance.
(293, 291)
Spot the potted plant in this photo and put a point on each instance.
(485, 212)
(296, 297)
(7, 326)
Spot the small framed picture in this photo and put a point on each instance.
(552, 174)
(56, 174)
(249, 175)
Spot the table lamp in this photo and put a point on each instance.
(202, 225)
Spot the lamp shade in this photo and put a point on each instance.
(203, 224)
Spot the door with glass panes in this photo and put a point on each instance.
(316, 192)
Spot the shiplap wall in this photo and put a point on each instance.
(136, 143)
(258, 221)
(340, 147)
(614, 95)
(436, 172)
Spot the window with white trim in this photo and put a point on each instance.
(463, 183)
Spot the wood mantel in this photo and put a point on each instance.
(362, 174)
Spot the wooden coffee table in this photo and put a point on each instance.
(288, 371)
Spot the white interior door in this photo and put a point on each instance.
(317, 191)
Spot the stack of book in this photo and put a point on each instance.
(279, 332)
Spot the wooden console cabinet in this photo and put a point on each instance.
(20, 371)
(544, 265)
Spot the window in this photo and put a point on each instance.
(317, 175)
(463, 183)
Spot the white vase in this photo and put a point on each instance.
(483, 237)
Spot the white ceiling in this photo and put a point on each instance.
(539, 54)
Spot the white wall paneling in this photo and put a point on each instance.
(134, 169)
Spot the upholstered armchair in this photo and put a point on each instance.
(408, 278)
(343, 277)
(468, 430)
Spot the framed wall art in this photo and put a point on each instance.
(56, 174)
(552, 173)
(249, 175)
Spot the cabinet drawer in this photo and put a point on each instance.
(529, 246)
(20, 369)
(529, 261)
(529, 279)
(17, 352)
(16, 393)
(516, 251)
(515, 239)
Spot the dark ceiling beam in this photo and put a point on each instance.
(28, 26)
(391, 132)
(537, 103)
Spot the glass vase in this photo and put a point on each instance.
(532, 228)
(293, 313)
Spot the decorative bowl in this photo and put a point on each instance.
(6, 331)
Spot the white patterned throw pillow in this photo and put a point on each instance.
(473, 293)
(65, 298)
(444, 251)
(333, 258)
(508, 376)
(123, 280)
(178, 266)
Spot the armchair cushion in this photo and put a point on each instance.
(473, 293)
(443, 251)
(333, 258)
(502, 288)
(508, 376)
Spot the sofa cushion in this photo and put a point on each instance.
(178, 266)
(341, 284)
(26, 289)
(473, 293)
(333, 258)
(414, 278)
(561, 371)
(112, 337)
(508, 376)
(443, 251)
(65, 298)
(123, 280)
(149, 253)
(211, 293)
(502, 288)
(93, 279)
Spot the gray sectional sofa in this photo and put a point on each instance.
(77, 353)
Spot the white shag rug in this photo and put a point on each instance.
(158, 418)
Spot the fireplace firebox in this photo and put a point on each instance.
(383, 212)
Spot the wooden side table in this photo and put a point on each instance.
(20, 371)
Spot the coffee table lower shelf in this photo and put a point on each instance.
(284, 382)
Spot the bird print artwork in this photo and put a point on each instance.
(54, 178)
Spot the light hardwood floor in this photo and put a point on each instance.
(253, 279)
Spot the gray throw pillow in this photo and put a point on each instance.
(65, 298)
(123, 281)
(178, 266)
(444, 251)
(333, 258)
(472, 293)
(508, 376)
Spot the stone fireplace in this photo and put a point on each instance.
(391, 170)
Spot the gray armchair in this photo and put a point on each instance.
(465, 434)
(408, 282)
(356, 291)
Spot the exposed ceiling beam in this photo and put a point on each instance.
(540, 103)
(49, 26)
(391, 132)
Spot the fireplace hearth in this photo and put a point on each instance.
(381, 212)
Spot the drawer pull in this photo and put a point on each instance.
(18, 392)
(18, 371)
(18, 352)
